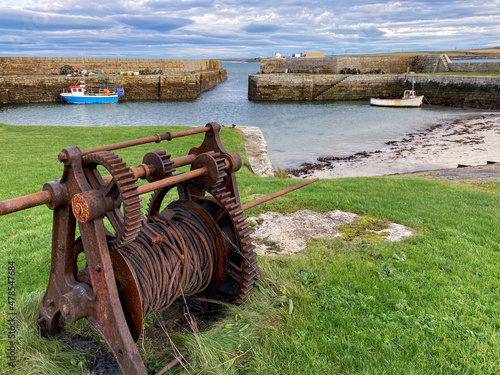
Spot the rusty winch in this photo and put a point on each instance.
(135, 265)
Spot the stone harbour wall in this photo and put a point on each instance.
(280, 87)
(52, 65)
(324, 65)
(335, 64)
(37, 89)
(209, 79)
(461, 91)
(475, 67)
(364, 87)
(388, 64)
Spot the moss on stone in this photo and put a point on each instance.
(364, 228)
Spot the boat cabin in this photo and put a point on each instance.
(408, 94)
(83, 90)
(78, 90)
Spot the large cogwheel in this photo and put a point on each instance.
(243, 266)
(126, 216)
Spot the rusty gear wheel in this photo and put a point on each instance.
(126, 220)
(221, 166)
(155, 202)
(162, 164)
(243, 268)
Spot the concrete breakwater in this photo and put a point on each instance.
(21, 82)
(460, 91)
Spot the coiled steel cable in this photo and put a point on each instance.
(170, 259)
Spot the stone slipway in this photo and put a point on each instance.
(487, 172)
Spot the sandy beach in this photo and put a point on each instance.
(463, 141)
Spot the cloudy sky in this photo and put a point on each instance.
(230, 28)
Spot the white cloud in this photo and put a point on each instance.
(225, 28)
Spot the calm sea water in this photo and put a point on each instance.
(295, 131)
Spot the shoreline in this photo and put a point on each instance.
(471, 141)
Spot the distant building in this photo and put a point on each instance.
(315, 54)
(297, 55)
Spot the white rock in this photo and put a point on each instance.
(276, 233)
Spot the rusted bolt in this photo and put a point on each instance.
(77, 209)
(75, 304)
(62, 157)
(98, 268)
(65, 310)
(88, 206)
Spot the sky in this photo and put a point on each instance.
(229, 28)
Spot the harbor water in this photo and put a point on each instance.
(295, 132)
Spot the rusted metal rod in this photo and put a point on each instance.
(249, 205)
(27, 201)
(116, 146)
(36, 199)
(172, 364)
(157, 138)
(169, 136)
(169, 181)
(183, 160)
(144, 171)
(43, 197)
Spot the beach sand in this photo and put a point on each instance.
(463, 141)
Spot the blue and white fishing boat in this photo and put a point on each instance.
(83, 95)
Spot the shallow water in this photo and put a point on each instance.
(295, 131)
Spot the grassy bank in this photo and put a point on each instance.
(485, 53)
(474, 74)
(429, 304)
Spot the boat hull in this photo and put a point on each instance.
(89, 99)
(411, 102)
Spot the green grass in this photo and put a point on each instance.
(429, 304)
(475, 74)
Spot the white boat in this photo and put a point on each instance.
(83, 95)
(409, 99)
